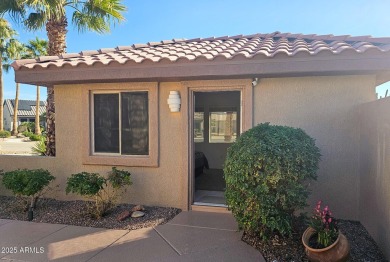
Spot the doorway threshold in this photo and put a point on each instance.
(206, 207)
(209, 204)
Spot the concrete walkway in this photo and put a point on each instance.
(190, 236)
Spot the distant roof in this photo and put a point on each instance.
(165, 59)
(25, 107)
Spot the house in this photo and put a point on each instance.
(26, 111)
(112, 110)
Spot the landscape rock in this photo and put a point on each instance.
(136, 214)
(122, 216)
(138, 208)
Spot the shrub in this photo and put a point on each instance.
(103, 191)
(27, 133)
(35, 137)
(39, 148)
(265, 170)
(28, 183)
(5, 134)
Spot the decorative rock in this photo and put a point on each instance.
(122, 216)
(138, 208)
(137, 214)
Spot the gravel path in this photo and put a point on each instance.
(75, 213)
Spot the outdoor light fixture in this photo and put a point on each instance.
(174, 101)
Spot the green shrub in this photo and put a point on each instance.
(265, 172)
(5, 134)
(27, 133)
(103, 191)
(39, 148)
(28, 183)
(35, 137)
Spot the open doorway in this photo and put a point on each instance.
(216, 124)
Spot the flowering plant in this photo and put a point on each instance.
(325, 225)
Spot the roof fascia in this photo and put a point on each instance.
(187, 70)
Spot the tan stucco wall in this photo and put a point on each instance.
(325, 107)
(375, 171)
(165, 185)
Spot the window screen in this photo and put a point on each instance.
(121, 123)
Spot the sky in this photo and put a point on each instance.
(148, 21)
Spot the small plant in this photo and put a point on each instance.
(28, 183)
(325, 226)
(103, 191)
(5, 134)
(35, 137)
(39, 148)
(27, 133)
(266, 171)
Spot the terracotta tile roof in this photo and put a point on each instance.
(246, 46)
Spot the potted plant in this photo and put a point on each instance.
(322, 239)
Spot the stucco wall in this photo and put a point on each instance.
(325, 107)
(375, 171)
(165, 185)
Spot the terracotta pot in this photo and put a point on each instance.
(337, 252)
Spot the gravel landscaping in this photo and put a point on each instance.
(363, 247)
(277, 249)
(76, 213)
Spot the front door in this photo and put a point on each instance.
(216, 125)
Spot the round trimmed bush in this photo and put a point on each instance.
(265, 172)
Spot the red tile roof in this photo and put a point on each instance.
(245, 46)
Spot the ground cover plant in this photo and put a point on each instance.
(103, 191)
(266, 171)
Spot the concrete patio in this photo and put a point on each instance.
(190, 236)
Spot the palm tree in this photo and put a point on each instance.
(92, 15)
(6, 33)
(36, 48)
(16, 50)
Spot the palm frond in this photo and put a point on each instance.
(6, 32)
(85, 22)
(16, 9)
(36, 20)
(37, 47)
(97, 15)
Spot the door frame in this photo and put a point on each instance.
(245, 88)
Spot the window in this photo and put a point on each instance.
(121, 123)
(199, 127)
(223, 127)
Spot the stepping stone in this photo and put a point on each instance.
(137, 214)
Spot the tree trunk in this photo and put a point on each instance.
(56, 33)
(1, 95)
(37, 121)
(15, 123)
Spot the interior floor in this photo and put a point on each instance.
(210, 198)
(210, 187)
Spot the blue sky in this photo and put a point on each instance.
(148, 21)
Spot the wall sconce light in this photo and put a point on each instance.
(174, 101)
